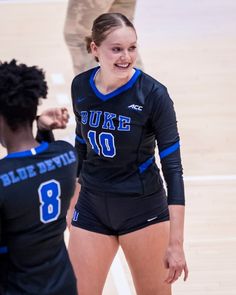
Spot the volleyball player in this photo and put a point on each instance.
(121, 114)
(49, 119)
(36, 185)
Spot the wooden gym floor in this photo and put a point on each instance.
(190, 46)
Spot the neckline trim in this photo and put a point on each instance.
(32, 152)
(119, 90)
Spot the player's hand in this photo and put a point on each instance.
(175, 261)
(53, 118)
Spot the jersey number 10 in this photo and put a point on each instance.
(106, 144)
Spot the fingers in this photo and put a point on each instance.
(175, 261)
(65, 115)
(53, 118)
(185, 272)
(171, 276)
(61, 118)
(175, 272)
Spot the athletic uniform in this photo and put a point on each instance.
(115, 141)
(35, 191)
(3, 261)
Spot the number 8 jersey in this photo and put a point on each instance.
(117, 132)
(35, 191)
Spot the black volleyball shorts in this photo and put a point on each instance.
(118, 214)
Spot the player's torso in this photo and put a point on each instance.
(35, 194)
(113, 125)
(116, 130)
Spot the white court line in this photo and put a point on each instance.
(186, 178)
(210, 177)
(215, 241)
(31, 1)
(118, 275)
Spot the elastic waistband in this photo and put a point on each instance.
(88, 190)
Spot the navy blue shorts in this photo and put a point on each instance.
(118, 214)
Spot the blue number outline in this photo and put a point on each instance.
(43, 218)
(111, 144)
(103, 138)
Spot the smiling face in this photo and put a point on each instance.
(117, 53)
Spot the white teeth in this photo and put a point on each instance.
(122, 65)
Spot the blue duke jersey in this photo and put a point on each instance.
(116, 135)
(35, 191)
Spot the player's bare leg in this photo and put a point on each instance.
(145, 250)
(91, 255)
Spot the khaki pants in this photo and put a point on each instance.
(78, 24)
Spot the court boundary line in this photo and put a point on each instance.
(210, 177)
(211, 240)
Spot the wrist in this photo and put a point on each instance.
(40, 125)
(176, 243)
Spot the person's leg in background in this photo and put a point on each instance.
(126, 7)
(78, 23)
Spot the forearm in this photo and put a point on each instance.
(43, 134)
(173, 174)
(53, 118)
(176, 225)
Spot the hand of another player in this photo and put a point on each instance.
(53, 118)
(176, 263)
